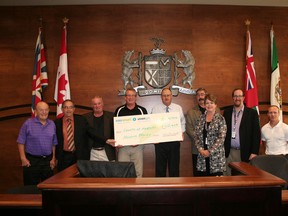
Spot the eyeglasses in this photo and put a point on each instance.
(68, 107)
(238, 96)
(130, 95)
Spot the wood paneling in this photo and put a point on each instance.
(98, 36)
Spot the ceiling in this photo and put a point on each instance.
(277, 3)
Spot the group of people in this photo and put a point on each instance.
(234, 136)
(44, 145)
(216, 139)
(219, 139)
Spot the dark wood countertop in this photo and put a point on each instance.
(250, 176)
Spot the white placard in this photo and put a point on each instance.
(147, 129)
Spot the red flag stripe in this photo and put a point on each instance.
(251, 90)
(62, 87)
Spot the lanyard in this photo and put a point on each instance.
(235, 119)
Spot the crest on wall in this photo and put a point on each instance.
(160, 70)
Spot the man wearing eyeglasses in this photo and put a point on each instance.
(73, 132)
(243, 131)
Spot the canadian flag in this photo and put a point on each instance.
(62, 87)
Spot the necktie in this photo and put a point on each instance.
(70, 136)
(167, 109)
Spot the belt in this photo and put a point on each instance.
(235, 148)
(98, 148)
(38, 156)
(68, 152)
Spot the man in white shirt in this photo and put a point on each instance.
(274, 134)
(168, 153)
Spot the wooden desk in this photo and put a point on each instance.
(21, 204)
(284, 202)
(285, 197)
(254, 191)
(21, 200)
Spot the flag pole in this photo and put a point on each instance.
(247, 23)
(65, 20)
(40, 22)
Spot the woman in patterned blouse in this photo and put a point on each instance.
(209, 135)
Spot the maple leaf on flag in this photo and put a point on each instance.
(62, 87)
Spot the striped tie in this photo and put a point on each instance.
(70, 136)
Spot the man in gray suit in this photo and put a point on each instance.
(191, 119)
(102, 122)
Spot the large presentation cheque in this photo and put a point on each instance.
(147, 129)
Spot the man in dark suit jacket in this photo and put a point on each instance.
(243, 131)
(102, 123)
(81, 131)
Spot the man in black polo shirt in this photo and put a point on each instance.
(131, 153)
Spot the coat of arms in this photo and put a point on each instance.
(160, 70)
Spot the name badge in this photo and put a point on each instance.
(233, 134)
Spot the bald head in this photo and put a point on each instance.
(42, 111)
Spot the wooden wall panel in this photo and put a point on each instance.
(98, 36)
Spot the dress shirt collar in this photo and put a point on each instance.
(65, 119)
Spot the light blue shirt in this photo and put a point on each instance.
(161, 108)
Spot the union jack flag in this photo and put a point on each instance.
(40, 76)
(251, 90)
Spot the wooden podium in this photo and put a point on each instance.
(250, 192)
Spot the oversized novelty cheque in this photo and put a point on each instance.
(147, 129)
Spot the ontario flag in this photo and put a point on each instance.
(62, 87)
(275, 91)
(40, 77)
(251, 90)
